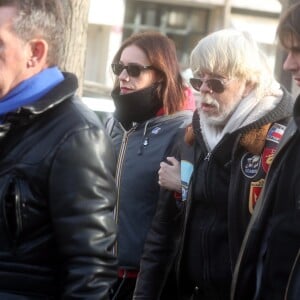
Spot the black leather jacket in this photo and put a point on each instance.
(57, 194)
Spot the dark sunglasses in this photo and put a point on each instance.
(215, 84)
(132, 69)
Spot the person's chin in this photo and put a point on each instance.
(297, 80)
(124, 91)
(208, 109)
(209, 113)
(213, 119)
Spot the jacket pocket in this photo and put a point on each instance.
(11, 207)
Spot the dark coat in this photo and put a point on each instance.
(268, 265)
(210, 225)
(57, 194)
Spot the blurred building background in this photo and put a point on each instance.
(185, 21)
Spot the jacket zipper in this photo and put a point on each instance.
(118, 178)
(205, 233)
(18, 207)
(186, 214)
(208, 155)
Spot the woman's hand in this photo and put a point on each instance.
(169, 175)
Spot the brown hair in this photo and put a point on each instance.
(161, 53)
(288, 29)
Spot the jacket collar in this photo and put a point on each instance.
(57, 95)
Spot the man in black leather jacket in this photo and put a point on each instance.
(57, 189)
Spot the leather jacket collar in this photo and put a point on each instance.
(25, 114)
(60, 93)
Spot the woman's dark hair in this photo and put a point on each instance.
(161, 52)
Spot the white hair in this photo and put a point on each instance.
(233, 54)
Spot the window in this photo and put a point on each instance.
(184, 25)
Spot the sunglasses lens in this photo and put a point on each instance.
(215, 85)
(134, 70)
(196, 83)
(117, 69)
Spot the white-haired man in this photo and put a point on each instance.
(241, 116)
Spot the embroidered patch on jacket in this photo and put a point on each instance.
(186, 170)
(267, 158)
(255, 189)
(276, 132)
(156, 130)
(250, 164)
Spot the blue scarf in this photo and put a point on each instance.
(30, 90)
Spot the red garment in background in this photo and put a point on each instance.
(189, 103)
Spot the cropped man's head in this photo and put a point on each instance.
(40, 19)
(289, 35)
(31, 33)
(288, 29)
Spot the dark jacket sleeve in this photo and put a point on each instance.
(161, 244)
(82, 198)
(293, 289)
(160, 248)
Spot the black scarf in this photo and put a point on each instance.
(138, 106)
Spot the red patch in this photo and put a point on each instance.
(177, 195)
(255, 189)
(267, 158)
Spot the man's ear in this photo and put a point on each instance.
(37, 53)
(249, 86)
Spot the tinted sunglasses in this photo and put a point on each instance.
(133, 70)
(215, 84)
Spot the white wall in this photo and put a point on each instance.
(107, 12)
(103, 40)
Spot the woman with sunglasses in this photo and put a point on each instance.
(241, 115)
(152, 105)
